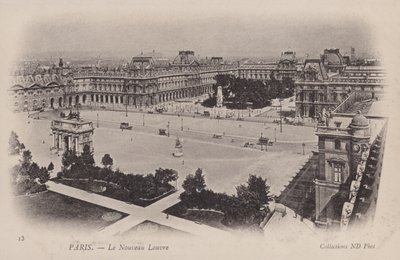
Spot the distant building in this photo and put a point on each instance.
(287, 66)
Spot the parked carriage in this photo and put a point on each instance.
(162, 131)
(125, 126)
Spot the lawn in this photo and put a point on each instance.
(51, 210)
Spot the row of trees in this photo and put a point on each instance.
(246, 208)
(14, 145)
(238, 93)
(138, 185)
(27, 177)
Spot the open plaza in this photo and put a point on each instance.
(225, 161)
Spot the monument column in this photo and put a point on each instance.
(69, 142)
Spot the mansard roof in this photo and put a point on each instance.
(36, 81)
(316, 66)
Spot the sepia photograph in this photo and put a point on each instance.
(199, 129)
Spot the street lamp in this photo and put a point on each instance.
(143, 119)
(126, 99)
(304, 145)
(275, 133)
(280, 114)
(176, 183)
(181, 124)
(97, 120)
(168, 128)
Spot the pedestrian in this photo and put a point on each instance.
(167, 216)
(183, 162)
(131, 139)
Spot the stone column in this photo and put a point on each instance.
(54, 140)
(62, 142)
(76, 143)
(69, 142)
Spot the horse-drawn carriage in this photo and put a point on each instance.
(125, 126)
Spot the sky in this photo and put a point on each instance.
(208, 30)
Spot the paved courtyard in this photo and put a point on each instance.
(225, 165)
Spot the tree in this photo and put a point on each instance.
(194, 183)
(256, 191)
(13, 144)
(50, 167)
(25, 162)
(164, 176)
(87, 156)
(33, 171)
(43, 175)
(69, 158)
(107, 161)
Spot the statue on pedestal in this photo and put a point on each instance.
(178, 152)
(220, 98)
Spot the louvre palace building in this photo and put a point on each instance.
(147, 80)
(330, 80)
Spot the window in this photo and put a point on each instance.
(337, 144)
(321, 143)
(337, 172)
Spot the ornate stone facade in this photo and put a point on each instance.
(72, 134)
(327, 82)
(343, 142)
(144, 82)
